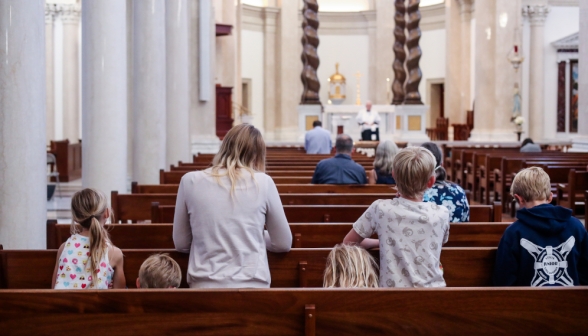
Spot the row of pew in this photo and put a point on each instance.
(319, 217)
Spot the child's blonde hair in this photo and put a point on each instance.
(532, 184)
(412, 168)
(160, 271)
(87, 207)
(350, 266)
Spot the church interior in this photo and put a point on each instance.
(129, 96)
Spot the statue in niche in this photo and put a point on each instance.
(516, 109)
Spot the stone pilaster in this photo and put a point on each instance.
(23, 179)
(270, 72)
(70, 16)
(536, 15)
(50, 12)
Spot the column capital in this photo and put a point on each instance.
(466, 7)
(50, 12)
(536, 14)
(69, 13)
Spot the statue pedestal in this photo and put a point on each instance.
(307, 114)
(410, 123)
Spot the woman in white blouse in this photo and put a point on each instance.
(221, 213)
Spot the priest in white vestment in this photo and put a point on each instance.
(369, 120)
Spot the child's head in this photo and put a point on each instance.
(89, 209)
(159, 271)
(531, 185)
(350, 266)
(413, 169)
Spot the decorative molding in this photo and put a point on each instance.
(50, 12)
(342, 23)
(568, 42)
(310, 59)
(466, 7)
(536, 14)
(564, 3)
(399, 52)
(413, 97)
(69, 13)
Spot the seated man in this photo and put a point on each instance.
(340, 169)
(528, 146)
(318, 140)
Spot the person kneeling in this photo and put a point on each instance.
(546, 246)
(159, 271)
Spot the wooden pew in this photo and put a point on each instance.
(175, 177)
(33, 269)
(69, 159)
(282, 188)
(451, 311)
(333, 213)
(569, 194)
(305, 235)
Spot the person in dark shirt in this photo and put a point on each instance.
(546, 246)
(340, 169)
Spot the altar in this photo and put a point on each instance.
(398, 123)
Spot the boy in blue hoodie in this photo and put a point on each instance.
(546, 246)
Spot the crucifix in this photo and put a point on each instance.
(358, 99)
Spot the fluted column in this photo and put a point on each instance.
(149, 90)
(70, 16)
(177, 89)
(536, 15)
(50, 71)
(23, 206)
(104, 95)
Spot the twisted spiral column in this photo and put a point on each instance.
(399, 53)
(413, 97)
(310, 59)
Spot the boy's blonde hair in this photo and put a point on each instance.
(532, 184)
(350, 266)
(160, 271)
(412, 168)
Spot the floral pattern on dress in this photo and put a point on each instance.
(451, 196)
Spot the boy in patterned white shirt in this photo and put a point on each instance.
(410, 231)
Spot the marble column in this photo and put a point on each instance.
(104, 95)
(453, 64)
(289, 68)
(149, 89)
(202, 47)
(70, 16)
(484, 67)
(50, 71)
(466, 8)
(270, 72)
(177, 89)
(537, 15)
(580, 144)
(23, 180)
(385, 11)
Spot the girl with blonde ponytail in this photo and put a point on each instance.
(88, 260)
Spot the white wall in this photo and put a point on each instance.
(252, 67)
(352, 54)
(560, 22)
(433, 60)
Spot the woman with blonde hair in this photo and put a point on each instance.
(382, 172)
(350, 266)
(221, 213)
